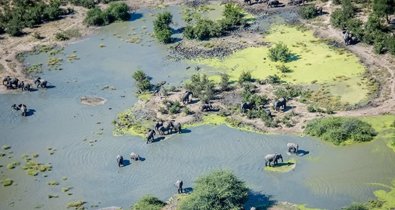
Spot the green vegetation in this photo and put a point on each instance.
(76, 204)
(216, 191)
(115, 12)
(148, 202)
(162, 28)
(13, 165)
(384, 8)
(356, 207)
(245, 76)
(17, 15)
(204, 28)
(201, 86)
(224, 83)
(339, 130)
(89, 3)
(53, 183)
(6, 147)
(280, 52)
(308, 12)
(143, 81)
(7, 182)
(67, 34)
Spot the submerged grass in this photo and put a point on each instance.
(312, 61)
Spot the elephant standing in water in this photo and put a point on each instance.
(134, 156)
(166, 128)
(179, 184)
(20, 107)
(187, 97)
(120, 160)
(150, 136)
(272, 159)
(158, 125)
(292, 147)
(41, 82)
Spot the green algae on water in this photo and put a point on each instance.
(76, 204)
(282, 167)
(6, 147)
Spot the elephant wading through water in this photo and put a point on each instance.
(272, 159)
(150, 136)
(20, 107)
(176, 127)
(134, 156)
(292, 147)
(179, 184)
(120, 160)
(41, 83)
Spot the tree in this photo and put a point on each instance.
(245, 76)
(143, 83)
(308, 12)
(118, 11)
(224, 83)
(148, 202)
(384, 8)
(94, 17)
(162, 29)
(280, 52)
(217, 191)
(201, 87)
(233, 15)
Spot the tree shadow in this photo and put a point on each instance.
(259, 201)
(293, 57)
(135, 16)
(178, 30)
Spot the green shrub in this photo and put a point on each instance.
(95, 17)
(217, 191)
(308, 12)
(143, 81)
(284, 69)
(233, 16)
(149, 202)
(116, 11)
(189, 32)
(273, 79)
(201, 87)
(338, 130)
(162, 28)
(245, 76)
(61, 36)
(280, 52)
(356, 207)
(203, 30)
(224, 83)
(288, 91)
(175, 107)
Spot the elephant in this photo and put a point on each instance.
(150, 136)
(247, 1)
(41, 82)
(158, 125)
(206, 107)
(21, 85)
(20, 107)
(15, 107)
(179, 184)
(273, 158)
(27, 87)
(186, 98)
(296, 2)
(318, 10)
(134, 156)
(11, 83)
(349, 39)
(273, 3)
(166, 128)
(176, 127)
(120, 160)
(6, 80)
(280, 104)
(292, 147)
(246, 106)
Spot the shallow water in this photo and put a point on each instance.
(328, 177)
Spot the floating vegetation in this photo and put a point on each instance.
(64, 178)
(6, 147)
(36, 68)
(53, 183)
(53, 196)
(54, 62)
(33, 168)
(35, 155)
(134, 40)
(76, 204)
(72, 57)
(7, 182)
(13, 165)
(102, 45)
(2, 154)
(66, 189)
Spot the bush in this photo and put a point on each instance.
(61, 36)
(308, 12)
(217, 191)
(224, 83)
(338, 130)
(280, 52)
(162, 28)
(284, 69)
(116, 11)
(175, 107)
(356, 207)
(245, 76)
(149, 202)
(289, 91)
(273, 79)
(233, 16)
(203, 30)
(201, 87)
(143, 83)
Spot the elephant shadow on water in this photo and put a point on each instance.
(125, 163)
(259, 201)
(187, 190)
(30, 112)
(302, 152)
(185, 130)
(158, 139)
(283, 164)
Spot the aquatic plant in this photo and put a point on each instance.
(66, 189)
(34, 68)
(13, 165)
(33, 168)
(53, 183)
(7, 182)
(148, 202)
(6, 147)
(76, 204)
(217, 190)
(53, 196)
(338, 129)
(245, 76)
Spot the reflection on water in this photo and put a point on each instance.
(328, 177)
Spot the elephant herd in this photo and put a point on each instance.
(15, 83)
(163, 128)
(272, 159)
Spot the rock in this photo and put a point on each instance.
(92, 100)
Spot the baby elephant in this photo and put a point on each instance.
(292, 147)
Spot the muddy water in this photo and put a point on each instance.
(328, 177)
